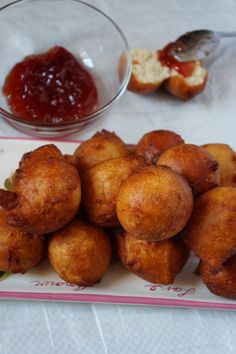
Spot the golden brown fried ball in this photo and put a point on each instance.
(101, 185)
(187, 87)
(45, 193)
(19, 251)
(154, 143)
(101, 147)
(80, 253)
(226, 157)
(211, 230)
(223, 281)
(193, 163)
(154, 203)
(156, 262)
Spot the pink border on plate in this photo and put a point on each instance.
(128, 300)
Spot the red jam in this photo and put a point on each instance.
(52, 87)
(184, 69)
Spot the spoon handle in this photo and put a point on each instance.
(227, 34)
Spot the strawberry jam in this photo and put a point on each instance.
(52, 88)
(184, 69)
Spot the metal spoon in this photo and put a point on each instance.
(196, 45)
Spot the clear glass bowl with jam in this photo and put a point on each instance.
(63, 64)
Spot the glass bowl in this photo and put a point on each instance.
(30, 27)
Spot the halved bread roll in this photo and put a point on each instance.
(149, 73)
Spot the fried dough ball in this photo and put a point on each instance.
(19, 251)
(101, 147)
(154, 143)
(149, 73)
(155, 262)
(45, 192)
(187, 87)
(193, 163)
(222, 282)
(154, 203)
(80, 253)
(101, 185)
(226, 157)
(211, 230)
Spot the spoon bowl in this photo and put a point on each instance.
(196, 45)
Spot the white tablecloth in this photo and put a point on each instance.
(41, 327)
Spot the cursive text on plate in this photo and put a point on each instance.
(171, 289)
(52, 283)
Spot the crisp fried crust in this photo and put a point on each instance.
(221, 282)
(101, 147)
(19, 251)
(138, 86)
(226, 158)
(154, 143)
(210, 232)
(80, 253)
(156, 262)
(154, 203)
(195, 164)
(179, 87)
(48, 192)
(69, 158)
(100, 186)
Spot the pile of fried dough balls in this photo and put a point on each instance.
(149, 205)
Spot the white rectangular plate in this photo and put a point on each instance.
(118, 285)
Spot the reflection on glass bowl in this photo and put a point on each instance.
(30, 27)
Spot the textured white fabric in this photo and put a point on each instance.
(41, 327)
